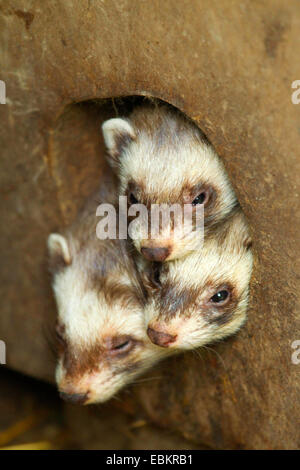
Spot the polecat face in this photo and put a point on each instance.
(203, 297)
(102, 342)
(162, 158)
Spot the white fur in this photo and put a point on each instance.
(218, 263)
(163, 162)
(57, 244)
(114, 127)
(88, 320)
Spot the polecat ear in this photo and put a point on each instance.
(247, 242)
(117, 133)
(242, 233)
(234, 234)
(59, 251)
(242, 236)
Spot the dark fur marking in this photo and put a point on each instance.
(129, 368)
(122, 140)
(78, 361)
(56, 263)
(222, 314)
(186, 302)
(173, 301)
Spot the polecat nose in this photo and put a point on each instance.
(75, 398)
(155, 254)
(160, 338)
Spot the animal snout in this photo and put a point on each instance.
(74, 398)
(155, 253)
(160, 338)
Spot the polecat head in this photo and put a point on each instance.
(163, 158)
(101, 333)
(203, 297)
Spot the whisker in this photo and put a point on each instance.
(147, 379)
(217, 354)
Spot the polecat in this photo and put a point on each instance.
(202, 297)
(101, 332)
(161, 157)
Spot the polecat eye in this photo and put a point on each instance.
(122, 346)
(220, 297)
(202, 198)
(119, 345)
(133, 199)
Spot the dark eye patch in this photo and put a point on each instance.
(119, 345)
(133, 199)
(204, 194)
(133, 192)
(220, 297)
(200, 199)
(220, 307)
